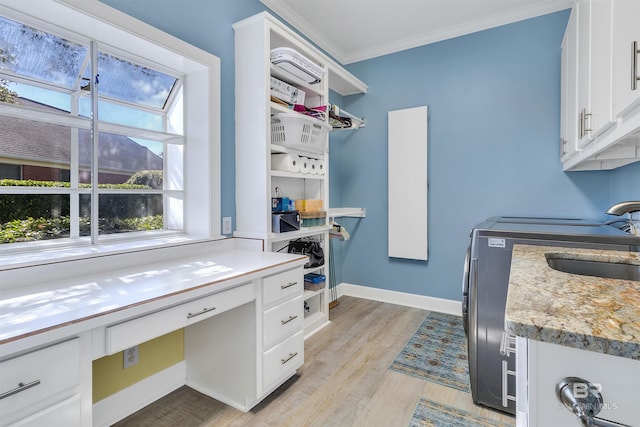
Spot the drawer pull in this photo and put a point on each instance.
(21, 387)
(284, 322)
(291, 356)
(204, 310)
(288, 285)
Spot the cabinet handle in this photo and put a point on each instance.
(587, 119)
(563, 147)
(284, 322)
(581, 124)
(583, 130)
(288, 285)
(634, 65)
(505, 384)
(21, 387)
(291, 356)
(204, 310)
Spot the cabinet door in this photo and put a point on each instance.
(626, 60)
(594, 68)
(568, 95)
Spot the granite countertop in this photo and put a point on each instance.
(584, 312)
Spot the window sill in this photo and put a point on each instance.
(59, 254)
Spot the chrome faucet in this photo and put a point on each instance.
(632, 225)
(625, 207)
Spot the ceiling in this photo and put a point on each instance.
(355, 30)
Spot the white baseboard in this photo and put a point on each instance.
(135, 397)
(439, 305)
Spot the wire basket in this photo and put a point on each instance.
(300, 132)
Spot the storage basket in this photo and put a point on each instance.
(314, 281)
(300, 132)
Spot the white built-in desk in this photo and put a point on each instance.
(241, 311)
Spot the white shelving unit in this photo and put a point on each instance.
(256, 182)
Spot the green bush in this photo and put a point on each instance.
(24, 217)
(30, 229)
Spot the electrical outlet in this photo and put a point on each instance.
(130, 357)
(226, 225)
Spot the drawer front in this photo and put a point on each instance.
(282, 320)
(125, 335)
(44, 373)
(67, 413)
(282, 286)
(281, 361)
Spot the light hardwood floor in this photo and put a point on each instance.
(345, 380)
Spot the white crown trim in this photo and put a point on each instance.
(313, 34)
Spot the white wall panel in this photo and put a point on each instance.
(407, 169)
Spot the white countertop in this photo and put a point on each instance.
(25, 312)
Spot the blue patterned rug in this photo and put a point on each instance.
(429, 413)
(437, 352)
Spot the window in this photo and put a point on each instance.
(94, 142)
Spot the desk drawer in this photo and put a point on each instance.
(141, 329)
(282, 360)
(281, 286)
(27, 380)
(283, 320)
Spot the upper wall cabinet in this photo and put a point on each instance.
(600, 98)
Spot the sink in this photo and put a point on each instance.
(610, 270)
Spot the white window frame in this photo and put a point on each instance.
(201, 70)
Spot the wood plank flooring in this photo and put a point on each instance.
(345, 380)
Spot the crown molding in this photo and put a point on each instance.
(316, 36)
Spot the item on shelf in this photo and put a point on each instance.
(282, 204)
(340, 119)
(304, 165)
(282, 222)
(298, 131)
(308, 205)
(310, 247)
(295, 65)
(321, 166)
(285, 162)
(286, 92)
(313, 166)
(314, 281)
(313, 219)
(319, 112)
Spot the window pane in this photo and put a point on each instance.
(29, 52)
(123, 160)
(37, 97)
(130, 212)
(29, 217)
(43, 150)
(114, 113)
(126, 81)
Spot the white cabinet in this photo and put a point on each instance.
(569, 88)
(603, 131)
(626, 56)
(541, 366)
(594, 68)
(257, 179)
(41, 386)
(282, 328)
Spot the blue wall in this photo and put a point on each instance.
(493, 100)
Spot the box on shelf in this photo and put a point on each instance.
(308, 205)
(295, 65)
(282, 222)
(313, 219)
(300, 132)
(314, 281)
(286, 92)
